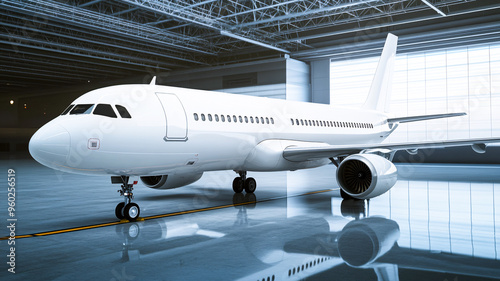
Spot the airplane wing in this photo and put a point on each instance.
(423, 117)
(302, 153)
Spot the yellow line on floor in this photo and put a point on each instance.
(157, 216)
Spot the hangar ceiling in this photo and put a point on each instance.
(50, 43)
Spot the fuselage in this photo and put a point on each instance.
(177, 131)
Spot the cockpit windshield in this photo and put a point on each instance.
(67, 109)
(123, 111)
(82, 109)
(100, 109)
(105, 110)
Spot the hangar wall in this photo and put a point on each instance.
(282, 78)
(458, 79)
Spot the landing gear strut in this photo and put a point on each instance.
(242, 182)
(126, 209)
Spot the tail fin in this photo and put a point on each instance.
(380, 91)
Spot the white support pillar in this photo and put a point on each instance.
(320, 81)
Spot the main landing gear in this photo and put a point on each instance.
(242, 182)
(126, 209)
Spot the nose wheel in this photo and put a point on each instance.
(126, 209)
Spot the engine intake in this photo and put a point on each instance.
(365, 176)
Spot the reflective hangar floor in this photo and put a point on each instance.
(440, 222)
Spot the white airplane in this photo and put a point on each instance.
(170, 136)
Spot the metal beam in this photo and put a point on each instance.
(89, 3)
(261, 8)
(434, 8)
(301, 14)
(265, 45)
(125, 11)
(213, 24)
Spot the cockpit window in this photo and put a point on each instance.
(82, 109)
(123, 111)
(67, 109)
(105, 110)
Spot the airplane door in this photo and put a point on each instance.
(175, 115)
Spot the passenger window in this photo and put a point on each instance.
(216, 117)
(267, 120)
(196, 116)
(292, 122)
(272, 120)
(234, 119)
(105, 110)
(228, 118)
(202, 117)
(210, 117)
(246, 119)
(262, 120)
(257, 120)
(251, 119)
(82, 109)
(67, 109)
(241, 119)
(222, 118)
(123, 111)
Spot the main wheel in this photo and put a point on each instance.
(119, 210)
(250, 185)
(238, 185)
(131, 211)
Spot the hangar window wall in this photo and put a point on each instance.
(464, 79)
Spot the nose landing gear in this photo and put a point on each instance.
(126, 209)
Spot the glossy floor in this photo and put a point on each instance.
(440, 222)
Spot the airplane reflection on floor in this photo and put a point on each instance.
(294, 248)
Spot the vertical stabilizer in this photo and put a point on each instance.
(380, 91)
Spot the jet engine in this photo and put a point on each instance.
(364, 176)
(170, 181)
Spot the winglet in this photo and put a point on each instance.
(153, 81)
(380, 90)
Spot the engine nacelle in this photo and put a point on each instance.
(364, 176)
(170, 181)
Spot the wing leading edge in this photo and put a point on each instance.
(423, 117)
(297, 154)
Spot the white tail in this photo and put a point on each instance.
(380, 91)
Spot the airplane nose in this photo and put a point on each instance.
(50, 145)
